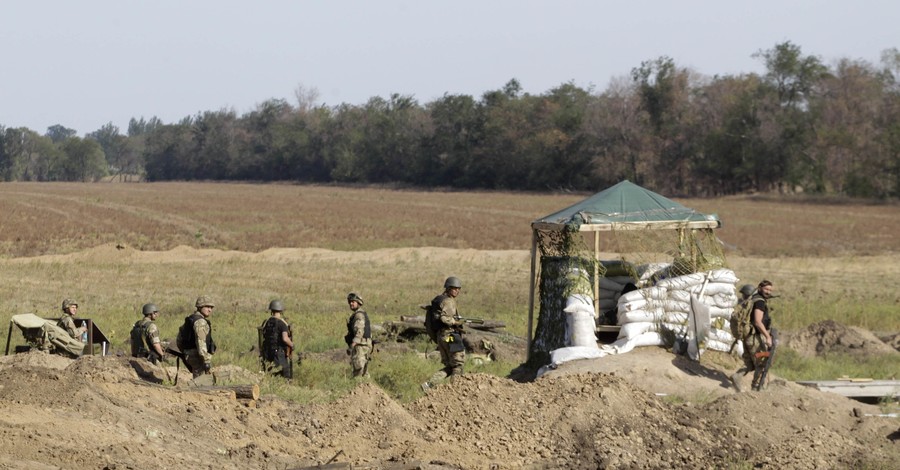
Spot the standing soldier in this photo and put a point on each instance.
(443, 321)
(145, 336)
(195, 338)
(277, 346)
(359, 336)
(67, 321)
(763, 338)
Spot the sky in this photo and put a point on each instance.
(86, 63)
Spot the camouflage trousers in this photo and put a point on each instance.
(195, 362)
(453, 361)
(360, 355)
(755, 345)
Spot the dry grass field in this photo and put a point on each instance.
(115, 246)
(58, 218)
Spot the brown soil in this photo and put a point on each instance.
(95, 412)
(829, 337)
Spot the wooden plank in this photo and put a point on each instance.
(850, 389)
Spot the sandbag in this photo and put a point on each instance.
(713, 288)
(580, 329)
(655, 293)
(682, 282)
(698, 328)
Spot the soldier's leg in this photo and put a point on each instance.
(282, 360)
(457, 361)
(358, 360)
(195, 362)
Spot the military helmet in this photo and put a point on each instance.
(354, 296)
(452, 281)
(68, 303)
(149, 309)
(276, 306)
(746, 290)
(204, 301)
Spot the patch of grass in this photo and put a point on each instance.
(793, 366)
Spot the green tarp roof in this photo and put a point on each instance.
(626, 203)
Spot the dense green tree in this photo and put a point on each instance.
(84, 160)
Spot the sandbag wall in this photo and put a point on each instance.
(658, 315)
(564, 284)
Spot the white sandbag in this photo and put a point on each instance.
(655, 293)
(633, 305)
(724, 300)
(676, 306)
(719, 312)
(571, 353)
(717, 345)
(682, 282)
(738, 349)
(723, 275)
(646, 315)
(713, 288)
(679, 295)
(577, 302)
(631, 330)
(721, 335)
(580, 329)
(676, 318)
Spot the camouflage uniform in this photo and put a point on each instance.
(150, 336)
(199, 358)
(448, 323)
(68, 323)
(359, 342)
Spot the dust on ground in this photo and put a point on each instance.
(96, 412)
(829, 337)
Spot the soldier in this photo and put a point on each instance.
(740, 334)
(443, 319)
(195, 338)
(145, 336)
(277, 346)
(762, 339)
(67, 321)
(359, 336)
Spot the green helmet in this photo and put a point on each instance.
(452, 281)
(68, 303)
(149, 309)
(746, 290)
(354, 296)
(276, 306)
(204, 301)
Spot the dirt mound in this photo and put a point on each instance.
(96, 413)
(829, 337)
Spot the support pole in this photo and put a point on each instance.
(596, 275)
(531, 291)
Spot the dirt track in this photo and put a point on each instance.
(105, 417)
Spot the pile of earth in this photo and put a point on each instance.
(830, 337)
(96, 412)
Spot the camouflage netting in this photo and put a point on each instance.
(643, 256)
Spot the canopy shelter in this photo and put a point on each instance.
(622, 207)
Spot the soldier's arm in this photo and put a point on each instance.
(153, 333)
(760, 326)
(359, 328)
(201, 328)
(448, 314)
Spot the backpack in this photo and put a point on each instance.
(137, 340)
(432, 324)
(740, 325)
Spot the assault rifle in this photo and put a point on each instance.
(477, 321)
(769, 356)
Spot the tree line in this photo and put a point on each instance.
(802, 125)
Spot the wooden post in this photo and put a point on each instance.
(531, 291)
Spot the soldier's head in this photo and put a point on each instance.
(69, 306)
(150, 310)
(276, 306)
(765, 288)
(205, 305)
(746, 291)
(452, 286)
(354, 301)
